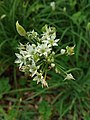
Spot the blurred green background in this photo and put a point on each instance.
(20, 97)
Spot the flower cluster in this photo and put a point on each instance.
(36, 56)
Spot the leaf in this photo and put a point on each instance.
(20, 29)
(78, 17)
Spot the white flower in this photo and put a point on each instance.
(69, 76)
(48, 35)
(49, 32)
(44, 49)
(33, 68)
(50, 39)
(44, 83)
(53, 35)
(30, 50)
(39, 78)
(20, 60)
(63, 51)
(52, 4)
(53, 42)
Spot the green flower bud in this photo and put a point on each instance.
(20, 29)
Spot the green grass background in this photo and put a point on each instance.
(20, 97)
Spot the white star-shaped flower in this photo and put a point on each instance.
(39, 78)
(33, 68)
(20, 60)
(44, 49)
(69, 76)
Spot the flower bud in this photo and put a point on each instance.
(70, 50)
(20, 29)
(52, 4)
(57, 70)
(63, 51)
(52, 65)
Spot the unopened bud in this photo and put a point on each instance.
(70, 50)
(52, 65)
(20, 29)
(52, 4)
(63, 51)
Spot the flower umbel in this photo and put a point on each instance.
(37, 56)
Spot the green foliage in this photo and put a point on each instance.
(78, 18)
(44, 110)
(63, 100)
(4, 86)
(11, 115)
